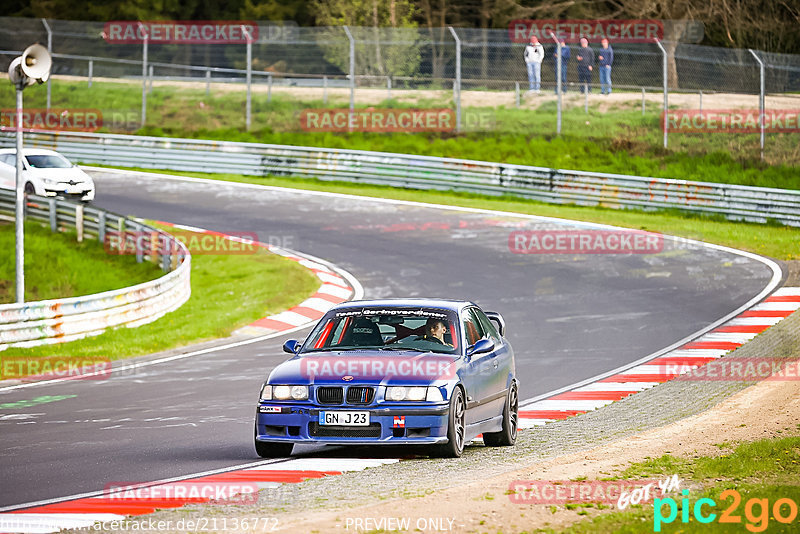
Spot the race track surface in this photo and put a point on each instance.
(569, 317)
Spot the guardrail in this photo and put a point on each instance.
(59, 320)
(755, 204)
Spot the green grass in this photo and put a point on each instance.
(57, 266)
(228, 291)
(616, 139)
(775, 241)
(765, 469)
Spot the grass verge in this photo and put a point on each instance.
(761, 473)
(775, 241)
(228, 291)
(57, 266)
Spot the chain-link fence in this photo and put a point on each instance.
(466, 67)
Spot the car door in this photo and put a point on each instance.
(502, 362)
(8, 171)
(479, 370)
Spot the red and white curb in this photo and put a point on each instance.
(83, 512)
(334, 289)
(709, 346)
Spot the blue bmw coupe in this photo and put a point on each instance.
(411, 372)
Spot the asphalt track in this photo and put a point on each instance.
(569, 317)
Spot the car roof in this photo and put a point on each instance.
(31, 152)
(454, 305)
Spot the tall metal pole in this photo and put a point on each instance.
(458, 78)
(248, 107)
(559, 66)
(666, 92)
(20, 205)
(352, 68)
(144, 74)
(761, 100)
(50, 51)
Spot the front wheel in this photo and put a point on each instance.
(29, 189)
(455, 428)
(508, 435)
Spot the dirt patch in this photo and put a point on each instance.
(486, 505)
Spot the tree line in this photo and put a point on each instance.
(771, 25)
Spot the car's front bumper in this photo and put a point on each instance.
(402, 424)
(84, 195)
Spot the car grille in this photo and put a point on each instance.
(325, 431)
(330, 395)
(360, 395)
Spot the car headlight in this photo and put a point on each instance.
(283, 392)
(49, 181)
(413, 394)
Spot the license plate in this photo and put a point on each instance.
(344, 418)
(74, 190)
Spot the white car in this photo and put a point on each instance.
(46, 173)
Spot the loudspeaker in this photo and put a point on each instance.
(36, 63)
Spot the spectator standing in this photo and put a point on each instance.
(585, 59)
(534, 54)
(564, 61)
(606, 58)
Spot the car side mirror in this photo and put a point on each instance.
(498, 320)
(480, 347)
(291, 346)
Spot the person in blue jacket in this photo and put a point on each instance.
(564, 61)
(606, 58)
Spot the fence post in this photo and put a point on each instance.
(352, 68)
(559, 89)
(53, 214)
(101, 227)
(666, 92)
(91, 71)
(248, 108)
(208, 82)
(269, 87)
(642, 101)
(458, 78)
(701, 101)
(144, 74)
(389, 87)
(325, 90)
(50, 51)
(761, 102)
(150, 79)
(79, 221)
(516, 93)
(586, 98)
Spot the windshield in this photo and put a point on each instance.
(390, 329)
(48, 162)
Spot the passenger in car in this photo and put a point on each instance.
(435, 329)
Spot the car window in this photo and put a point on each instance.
(472, 329)
(401, 329)
(8, 159)
(45, 161)
(488, 326)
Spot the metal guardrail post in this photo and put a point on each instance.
(50, 50)
(389, 87)
(269, 88)
(516, 93)
(91, 72)
(101, 226)
(79, 221)
(666, 92)
(700, 105)
(761, 99)
(144, 74)
(352, 68)
(458, 78)
(150, 79)
(642, 101)
(208, 82)
(325, 90)
(248, 108)
(586, 98)
(52, 214)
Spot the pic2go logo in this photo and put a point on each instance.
(756, 511)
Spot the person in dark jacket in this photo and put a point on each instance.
(605, 58)
(585, 59)
(564, 61)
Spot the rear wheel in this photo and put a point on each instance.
(456, 429)
(508, 435)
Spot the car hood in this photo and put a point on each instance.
(62, 175)
(367, 367)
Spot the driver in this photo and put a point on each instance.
(435, 330)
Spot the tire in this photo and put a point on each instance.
(508, 435)
(272, 449)
(456, 429)
(29, 189)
